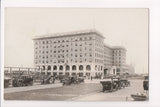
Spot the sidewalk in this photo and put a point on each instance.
(34, 87)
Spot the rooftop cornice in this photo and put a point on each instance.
(118, 47)
(69, 34)
(114, 47)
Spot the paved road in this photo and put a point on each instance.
(90, 91)
(120, 95)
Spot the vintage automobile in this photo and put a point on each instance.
(125, 82)
(7, 82)
(23, 80)
(72, 80)
(47, 79)
(62, 77)
(118, 82)
(80, 79)
(109, 85)
(146, 83)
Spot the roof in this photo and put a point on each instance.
(119, 47)
(69, 34)
(115, 47)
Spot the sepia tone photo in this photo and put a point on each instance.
(76, 54)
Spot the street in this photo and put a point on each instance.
(88, 91)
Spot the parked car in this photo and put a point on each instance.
(146, 83)
(109, 85)
(125, 82)
(23, 80)
(7, 81)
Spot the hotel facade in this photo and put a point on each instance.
(82, 53)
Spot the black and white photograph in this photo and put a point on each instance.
(76, 54)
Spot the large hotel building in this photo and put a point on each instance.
(82, 53)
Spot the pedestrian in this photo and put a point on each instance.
(91, 77)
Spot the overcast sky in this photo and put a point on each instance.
(124, 27)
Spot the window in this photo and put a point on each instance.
(49, 68)
(67, 68)
(81, 67)
(73, 67)
(43, 67)
(88, 67)
(54, 67)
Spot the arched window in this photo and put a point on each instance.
(88, 67)
(73, 67)
(67, 68)
(81, 67)
(43, 67)
(55, 67)
(60, 67)
(49, 68)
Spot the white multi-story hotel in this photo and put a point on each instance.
(83, 53)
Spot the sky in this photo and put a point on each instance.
(120, 27)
